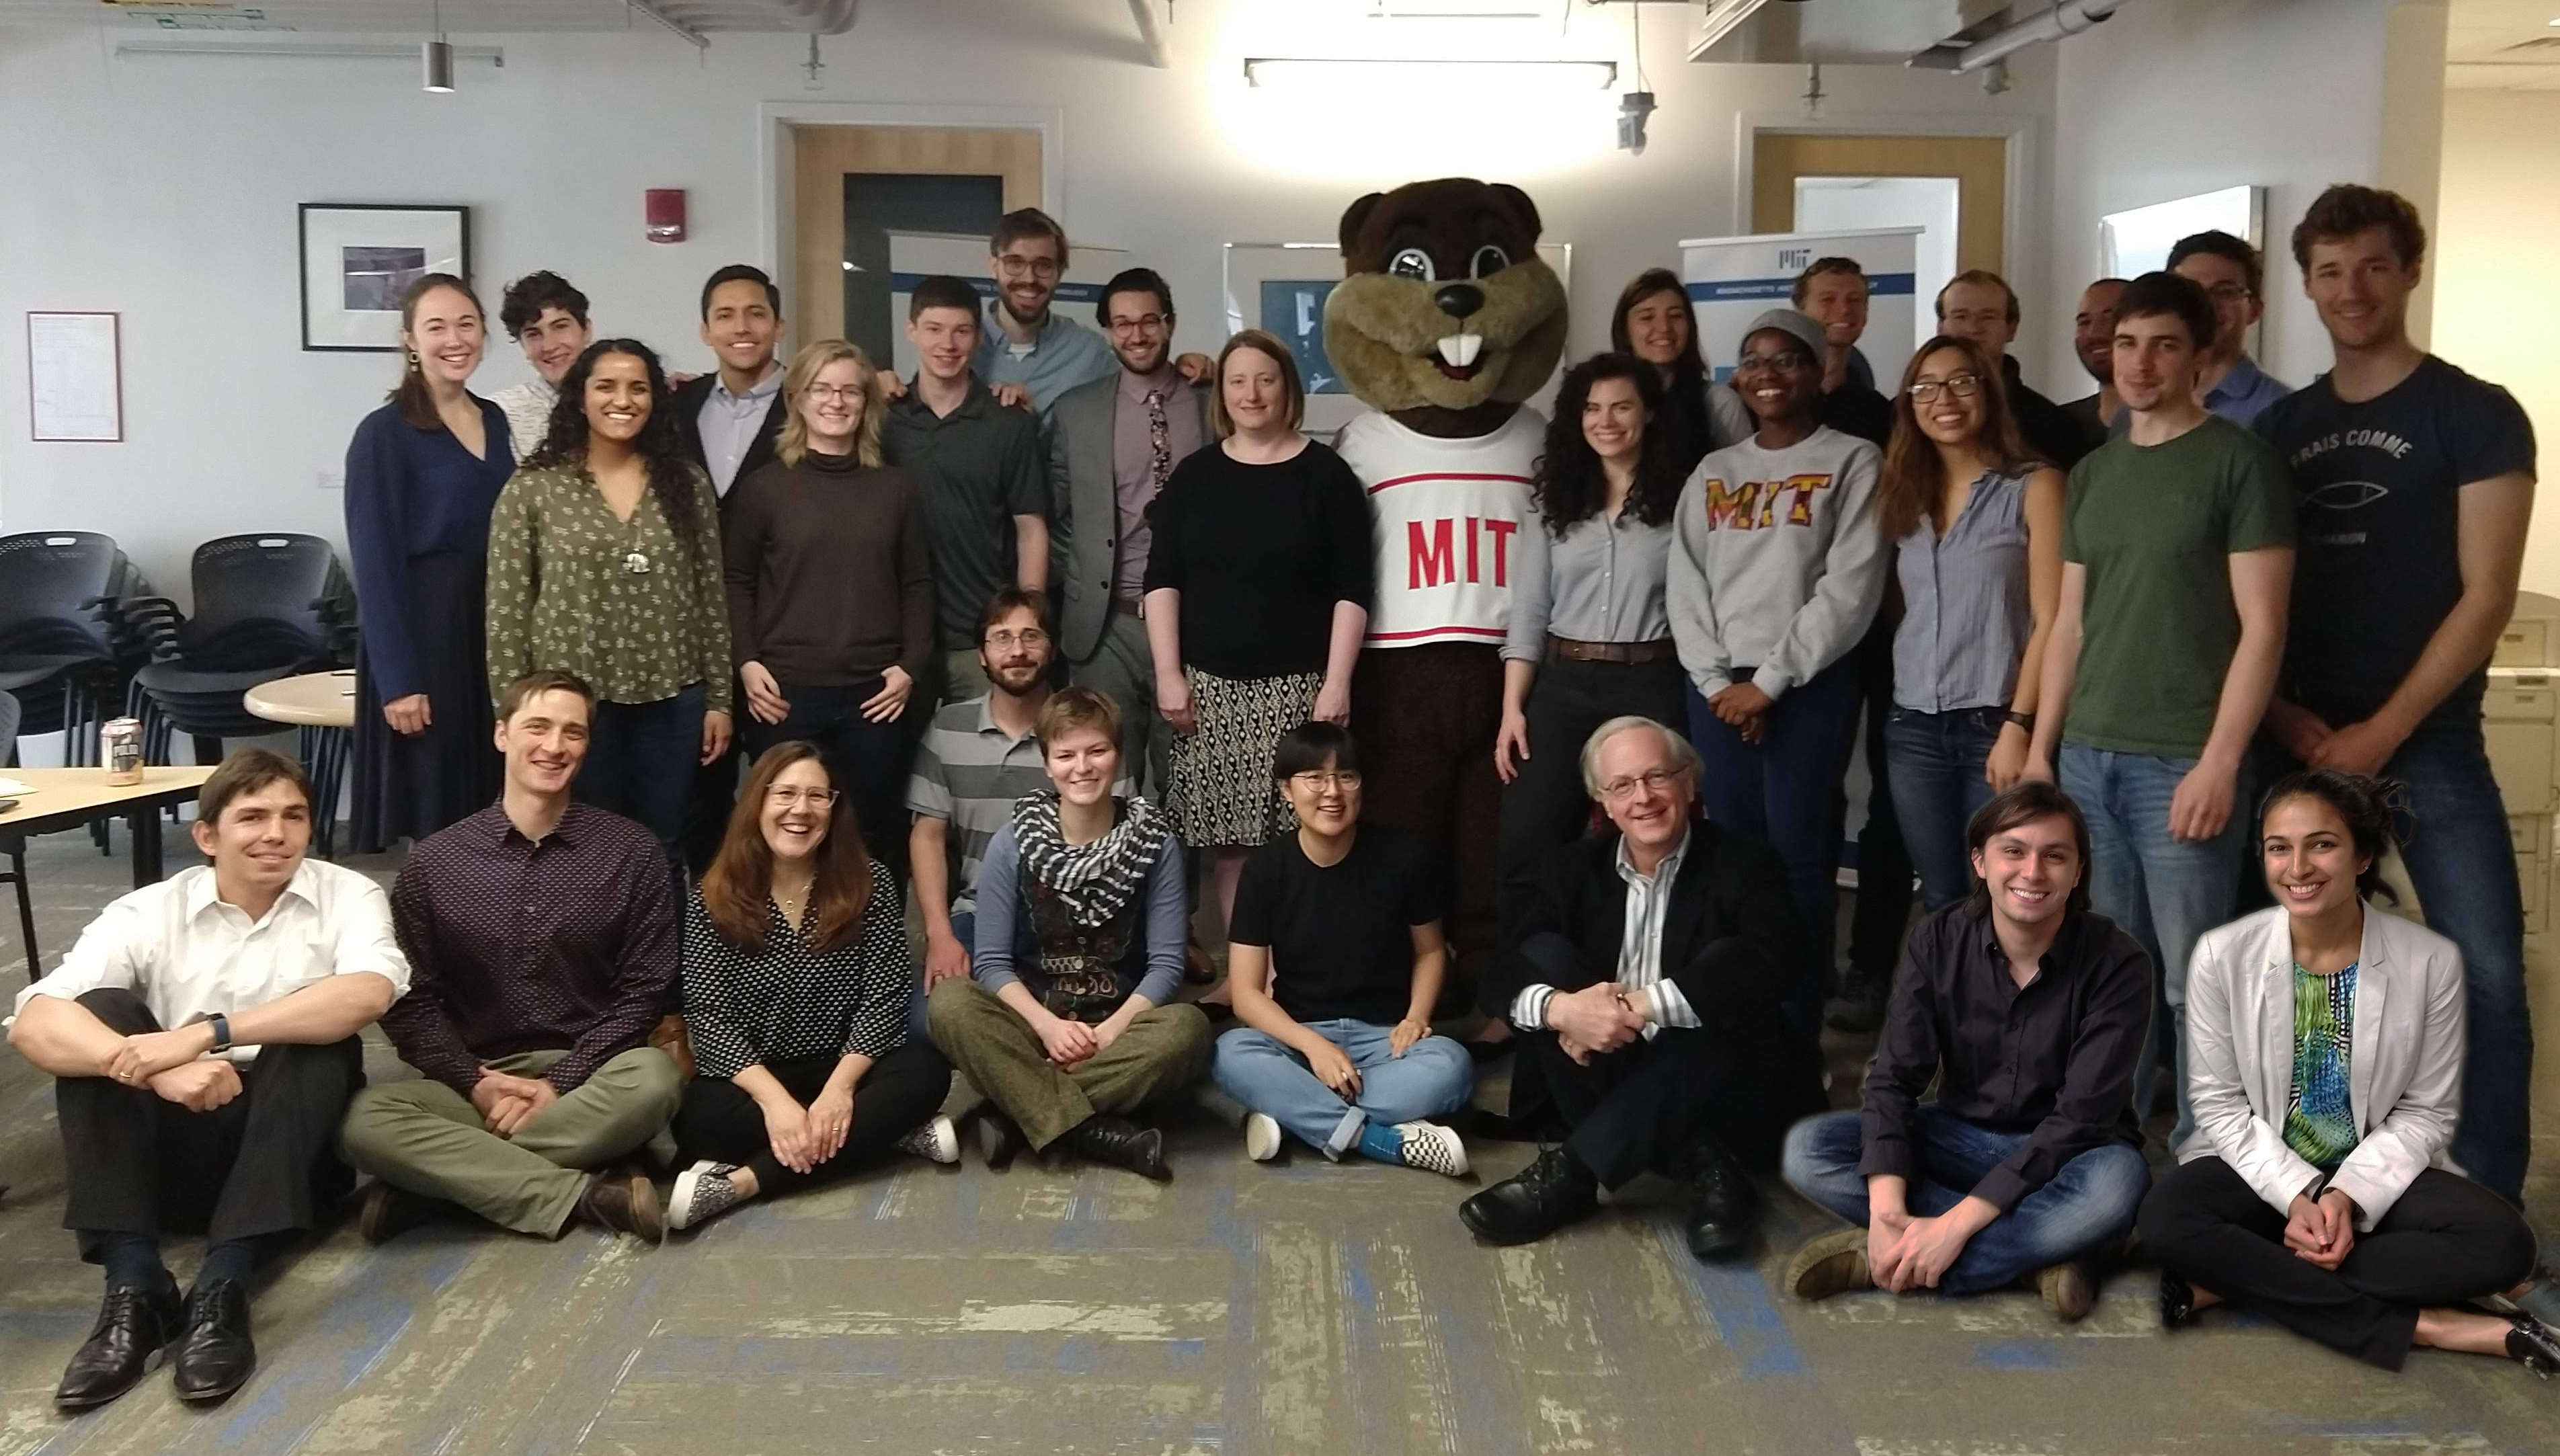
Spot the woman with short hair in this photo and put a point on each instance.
(1258, 590)
(1335, 955)
(604, 561)
(831, 588)
(2324, 1062)
(796, 974)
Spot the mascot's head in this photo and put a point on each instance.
(1444, 318)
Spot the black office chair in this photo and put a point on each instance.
(58, 648)
(13, 846)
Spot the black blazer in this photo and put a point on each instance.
(688, 404)
(1730, 942)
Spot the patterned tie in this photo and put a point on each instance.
(1160, 440)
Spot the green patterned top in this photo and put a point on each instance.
(621, 603)
(2320, 1116)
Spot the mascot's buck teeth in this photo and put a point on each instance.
(1459, 350)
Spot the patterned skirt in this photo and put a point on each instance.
(1218, 784)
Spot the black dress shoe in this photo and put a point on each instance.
(1122, 1144)
(1535, 1202)
(132, 1326)
(999, 1138)
(1724, 1208)
(2177, 1303)
(2532, 1345)
(216, 1356)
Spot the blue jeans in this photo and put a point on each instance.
(2090, 1202)
(2454, 841)
(1432, 1078)
(1936, 762)
(2165, 893)
(1785, 792)
(640, 762)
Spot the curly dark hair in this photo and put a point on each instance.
(1570, 485)
(672, 477)
(2370, 808)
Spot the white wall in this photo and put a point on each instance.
(2172, 97)
(2491, 251)
(164, 188)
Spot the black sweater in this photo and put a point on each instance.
(1260, 555)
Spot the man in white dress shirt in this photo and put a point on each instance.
(204, 1034)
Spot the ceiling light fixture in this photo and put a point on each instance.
(1496, 76)
(439, 57)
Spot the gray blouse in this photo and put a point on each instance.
(1602, 582)
(1966, 617)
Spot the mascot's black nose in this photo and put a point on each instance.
(1459, 300)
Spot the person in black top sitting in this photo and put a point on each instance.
(2027, 1011)
(1662, 1049)
(1336, 956)
(796, 976)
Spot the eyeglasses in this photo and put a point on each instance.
(1962, 385)
(1141, 325)
(1652, 782)
(2228, 292)
(1006, 641)
(1015, 266)
(1321, 780)
(847, 393)
(784, 795)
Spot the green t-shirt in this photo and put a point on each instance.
(2154, 527)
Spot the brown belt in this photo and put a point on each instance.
(1125, 607)
(1565, 649)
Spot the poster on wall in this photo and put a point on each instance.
(358, 258)
(1732, 280)
(916, 257)
(1281, 288)
(2138, 241)
(75, 383)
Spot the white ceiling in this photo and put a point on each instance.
(418, 16)
(2482, 41)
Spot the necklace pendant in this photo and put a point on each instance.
(637, 562)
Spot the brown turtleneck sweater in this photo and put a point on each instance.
(829, 580)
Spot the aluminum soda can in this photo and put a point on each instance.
(119, 747)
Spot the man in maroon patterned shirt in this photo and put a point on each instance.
(542, 937)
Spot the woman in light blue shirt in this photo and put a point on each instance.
(1978, 527)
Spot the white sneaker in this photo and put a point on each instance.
(935, 1138)
(1261, 1137)
(702, 1191)
(1430, 1146)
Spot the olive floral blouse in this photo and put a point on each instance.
(623, 604)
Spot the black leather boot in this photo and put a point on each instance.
(1541, 1198)
(1122, 1144)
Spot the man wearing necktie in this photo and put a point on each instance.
(1112, 445)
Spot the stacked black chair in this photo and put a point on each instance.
(267, 606)
(13, 847)
(59, 650)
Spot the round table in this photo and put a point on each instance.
(323, 706)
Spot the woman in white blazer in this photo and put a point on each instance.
(2325, 1056)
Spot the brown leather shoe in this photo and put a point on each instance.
(2070, 1289)
(625, 1201)
(386, 1213)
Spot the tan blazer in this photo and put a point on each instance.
(2404, 1056)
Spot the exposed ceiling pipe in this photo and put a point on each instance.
(668, 24)
(2067, 17)
(1151, 30)
(818, 17)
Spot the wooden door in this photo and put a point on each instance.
(823, 157)
(1980, 165)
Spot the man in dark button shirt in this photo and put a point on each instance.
(541, 936)
(1980, 306)
(1835, 291)
(2028, 1010)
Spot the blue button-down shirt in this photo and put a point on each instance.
(2242, 395)
(1062, 355)
(1965, 611)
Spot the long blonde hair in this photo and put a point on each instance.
(793, 447)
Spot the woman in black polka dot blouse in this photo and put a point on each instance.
(796, 975)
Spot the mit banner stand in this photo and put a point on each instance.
(1732, 280)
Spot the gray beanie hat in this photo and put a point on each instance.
(1802, 327)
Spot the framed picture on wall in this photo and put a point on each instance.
(359, 258)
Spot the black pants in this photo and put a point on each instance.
(262, 1163)
(871, 758)
(1883, 862)
(1645, 1106)
(2448, 1240)
(1427, 717)
(1545, 806)
(718, 1121)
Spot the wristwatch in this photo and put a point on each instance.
(222, 1029)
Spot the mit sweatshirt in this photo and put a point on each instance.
(1776, 565)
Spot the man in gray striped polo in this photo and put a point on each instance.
(977, 757)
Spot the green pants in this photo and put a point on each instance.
(1165, 1049)
(427, 1138)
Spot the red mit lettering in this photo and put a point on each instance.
(1431, 555)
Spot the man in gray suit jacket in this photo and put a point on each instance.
(1113, 442)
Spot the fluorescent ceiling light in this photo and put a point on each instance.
(312, 51)
(1493, 76)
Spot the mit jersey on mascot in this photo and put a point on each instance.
(1444, 322)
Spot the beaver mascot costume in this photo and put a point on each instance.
(1444, 322)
